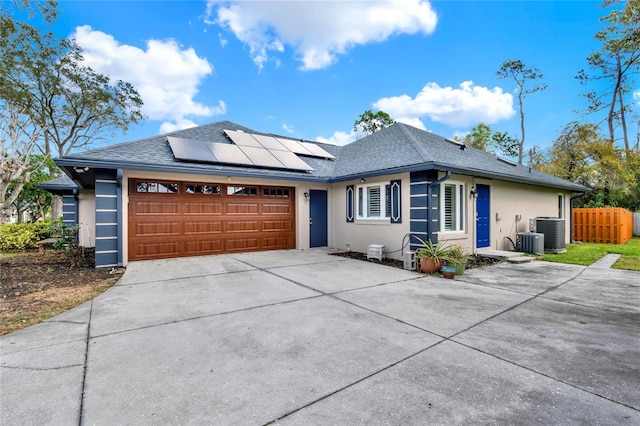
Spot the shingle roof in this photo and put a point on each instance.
(58, 185)
(405, 147)
(154, 153)
(395, 149)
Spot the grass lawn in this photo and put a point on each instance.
(587, 253)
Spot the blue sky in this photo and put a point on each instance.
(307, 69)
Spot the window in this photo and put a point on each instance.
(560, 206)
(157, 187)
(275, 192)
(202, 189)
(374, 201)
(242, 190)
(452, 207)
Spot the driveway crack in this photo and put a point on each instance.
(84, 370)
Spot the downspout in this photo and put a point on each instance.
(119, 175)
(582, 194)
(76, 198)
(430, 219)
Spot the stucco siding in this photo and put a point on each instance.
(87, 218)
(526, 201)
(357, 235)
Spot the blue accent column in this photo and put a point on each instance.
(423, 215)
(108, 219)
(69, 210)
(119, 176)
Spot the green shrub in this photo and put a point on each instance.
(20, 236)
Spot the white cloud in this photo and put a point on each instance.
(318, 31)
(341, 138)
(223, 40)
(464, 106)
(166, 75)
(168, 127)
(287, 128)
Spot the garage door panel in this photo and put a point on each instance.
(275, 209)
(242, 226)
(156, 250)
(242, 209)
(277, 242)
(277, 225)
(187, 221)
(202, 208)
(209, 227)
(204, 247)
(155, 208)
(242, 244)
(148, 229)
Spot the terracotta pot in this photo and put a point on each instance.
(429, 265)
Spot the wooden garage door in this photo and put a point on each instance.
(174, 219)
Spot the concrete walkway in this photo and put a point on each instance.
(301, 337)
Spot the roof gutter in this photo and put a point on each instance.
(64, 163)
(262, 173)
(467, 172)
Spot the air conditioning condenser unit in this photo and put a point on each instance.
(531, 242)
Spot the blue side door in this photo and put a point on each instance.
(483, 211)
(318, 218)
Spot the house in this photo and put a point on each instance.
(224, 188)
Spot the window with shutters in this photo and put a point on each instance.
(374, 201)
(452, 207)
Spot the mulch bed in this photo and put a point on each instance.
(33, 271)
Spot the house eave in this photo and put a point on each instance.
(467, 172)
(68, 164)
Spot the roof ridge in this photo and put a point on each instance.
(410, 137)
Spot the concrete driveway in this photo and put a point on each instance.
(301, 337)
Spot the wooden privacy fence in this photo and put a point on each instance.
(602, 225)
(636, 224)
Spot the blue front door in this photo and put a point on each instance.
(483, 211)
(318, 218)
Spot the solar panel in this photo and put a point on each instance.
(290, 160)
(212, 152)
(270, 142)
(242, 139)
(227, 153)
(262, 157)
(190, 150)
(294, 146)
(316, 151)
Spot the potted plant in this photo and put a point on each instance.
(431, 255)
(448, 271)
(457, 257)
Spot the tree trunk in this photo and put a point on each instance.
(56, 207)
(623, 121)
(521, 145)
(616, 93)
